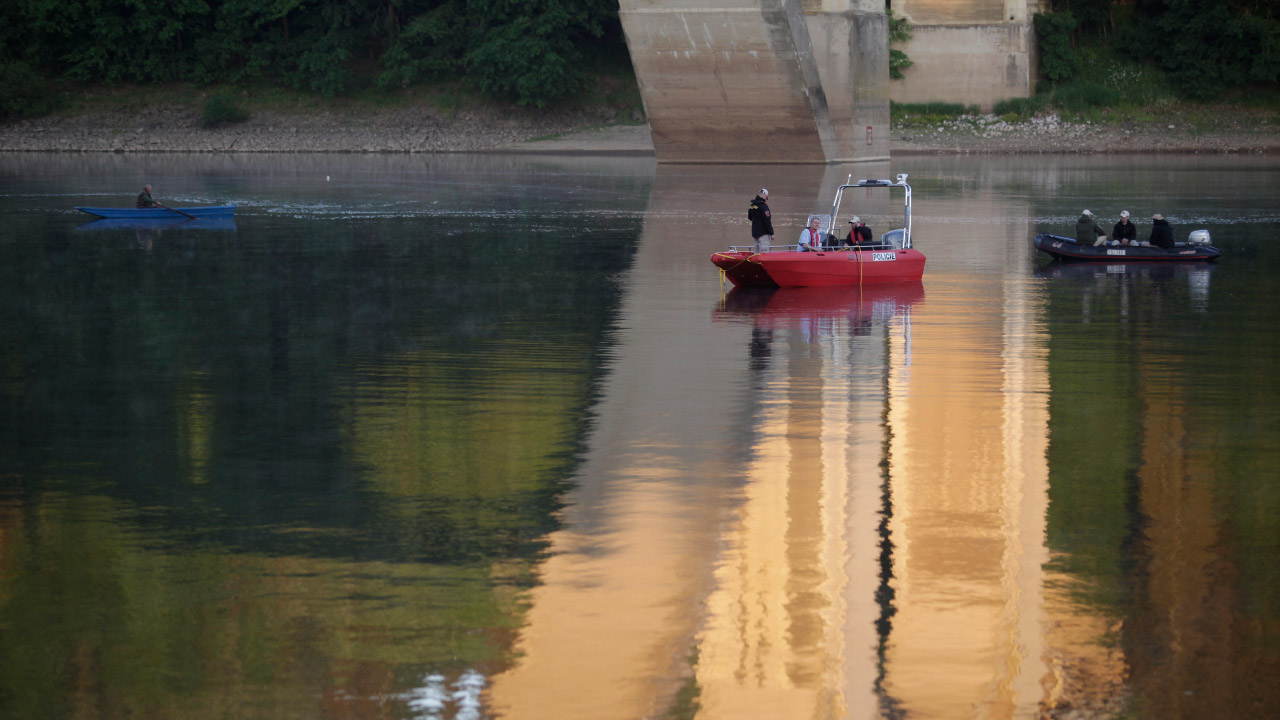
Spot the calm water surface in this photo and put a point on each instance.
(482, 436)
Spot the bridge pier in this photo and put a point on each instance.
(771, 81)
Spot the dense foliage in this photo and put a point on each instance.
(531, 50)
(1059, 60)
(1205, 47)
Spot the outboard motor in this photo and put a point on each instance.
(1198, 237)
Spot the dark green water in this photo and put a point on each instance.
(416, 416)
(239, 463)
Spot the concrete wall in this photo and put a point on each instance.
(973, 52)
(727, 81)
(761, 80)
(851, 51)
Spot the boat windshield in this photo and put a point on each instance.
(899, 238)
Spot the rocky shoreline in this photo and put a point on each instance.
(1229, 132)
(177, 129)
(591, 130)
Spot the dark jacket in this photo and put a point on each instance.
(145, 200)
(761, 220)
(1087, 230)
(859, 235)
(1161, 234)
(1124, 231)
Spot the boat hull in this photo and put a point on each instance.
(842, 267)
(217, 222)
(737, 266)
(144, 213)
(1067, 249)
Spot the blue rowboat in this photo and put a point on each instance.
(142, 213)
(221, 222)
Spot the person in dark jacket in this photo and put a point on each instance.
(859, 233)
(1125, 232)
(761, 221)
(1088, 232)
(145, 200)
(1161, 232)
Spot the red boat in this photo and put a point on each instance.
(842, 267)
(892, 259)
(737, 266)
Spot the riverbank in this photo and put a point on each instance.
(176, 128)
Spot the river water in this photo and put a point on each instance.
(466, 436)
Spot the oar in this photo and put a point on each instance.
(166, 207)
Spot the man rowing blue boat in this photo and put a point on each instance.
(145, 200)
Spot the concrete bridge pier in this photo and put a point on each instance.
(762, 80)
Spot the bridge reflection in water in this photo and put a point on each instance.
(806, 505)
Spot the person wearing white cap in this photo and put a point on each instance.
(1125, 232)
(1088, 232)
(761, 221)
(859, 233)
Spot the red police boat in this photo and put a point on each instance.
(891, 259)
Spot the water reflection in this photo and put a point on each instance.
(802, 602)
(349, 460)
(293, 469)
(1119, 283)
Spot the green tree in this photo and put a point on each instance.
(1207, 46)
(1059, 61)
(534, 51)
(531, 50)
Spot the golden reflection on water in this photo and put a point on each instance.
(875, 547)
(813, 506)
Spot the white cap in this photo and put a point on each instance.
(1086, 212)
(1124, 213)
(855, 219)
(764, 192)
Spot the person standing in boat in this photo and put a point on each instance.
(1088, 232)
(145, 200)
(1125, 232)
(859, 233)
(761, 221)
(1161, 232)
(810, 240)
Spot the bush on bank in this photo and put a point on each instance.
(221, 109)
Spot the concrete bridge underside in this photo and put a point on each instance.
(807, 81)
(761, 80)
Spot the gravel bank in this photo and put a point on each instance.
(1229, 132)
(426, 130)
(177, 129)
